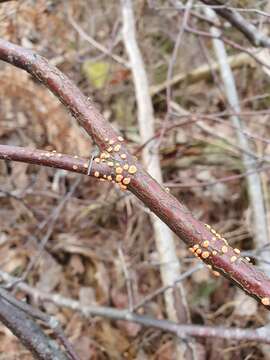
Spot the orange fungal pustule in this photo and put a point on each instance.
(265, 301)
(205, 243)
(205, 254)
(132, 169)
(119, 178)
(126, 181)
(224, 249)
(119, 170)
(117, 147)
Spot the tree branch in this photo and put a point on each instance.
(52, 159)
(36, 314)
(29, 333)
(261, 335)
(203, 241)
(256, 37)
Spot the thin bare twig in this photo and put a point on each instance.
(127, 278)
(179, 40)
(161, 290)
(96, 44)
(201, 72)
(49, 321)
(231, 43)
(261, 334)
(220, 180)
(31, 335)
(256, 37)
(175, 299)
(34, 260)
(52, 159)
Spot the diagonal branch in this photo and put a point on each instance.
(203, 241)
(256, 37)
(29, 332)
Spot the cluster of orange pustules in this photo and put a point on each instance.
(206, 249)
(119, 177)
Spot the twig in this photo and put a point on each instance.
(261, 334)
(195, 118)
(19, 199)
(52, 159)
(253, 180)
(173, 58)
(175, 298)
(34, 260)
(256, 37)
(96, 44)
(179, 6)
(229, 42)
(241, 148)
(49, 321)
(244, 131)
(161, 290)
(220, 180)
(200, 72)
(127, 278)
(163, 236)
(179, 40)
(29, 333)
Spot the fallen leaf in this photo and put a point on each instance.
(96, 72)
